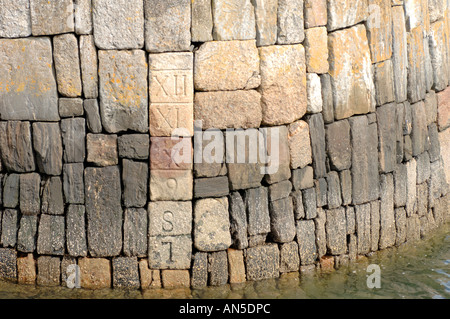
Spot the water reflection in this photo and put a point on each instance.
(414, 270)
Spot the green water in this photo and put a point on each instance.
(414, 270)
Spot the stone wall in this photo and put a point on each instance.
(97, 107)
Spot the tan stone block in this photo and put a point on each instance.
(416, 65)
(283, 83)
(175, 119)
(327, 263)
(171, 185)
(443, 109)
(299, 144)
(236, 266)
(228, 109)
(102, 149)
(413, 14)
(227, 66)
(26, 270)
(266, 21)
(95, 273)
(164, 153)
(67, 65)
(89, 66)
(399, 53)
(315, 13)
(316, 49)
(51, 17)
(351, 72)
(379, 30)
(175, 279)
(233, 20)
(145, 274)
(345, 13)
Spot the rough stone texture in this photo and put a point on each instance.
(30, 202)
(172, 279)
(102, 149)
(362, 213)
(316, 49)
(438, 43)
(262, 262)
(67, 65)
(199, 271)
(26, 270)
(83, 17)
(266, 21)
(8, 262)
(51, 235)
(411, 178)
(353, 89)
(303, 178)
(336, 229)
(339, 145)
(135, 228)
(384, 82)
(95, 273)
(70, 107)
(209, 154)
(51, 17)
(238, 221)
(170, 218)
(9, 224)
(283, 83)
(387, 213)
(310, 203)
(123, 93)
(15, 146)
(11, 191)
(299, 144)
(125, 273)
(171, 185)
(27, 62)
(135, 183)
(327, 98)
(444, 139)
(73, 183)
(416, 62)
(167, 25)
(89, 66)
(290, 22)
(387, 137)
(419, 132)
(289, 257)
(52, 197)
(257, 206)
(400, 223)
(16, 19)
(233, 109)
(48, 147)
(379, 29)
(306, 241)
(202, 21)
(75, 231)
(73, 135)
(48, 271)
(334, 197)
(282, 220)
(118, 24)
(218, 268)
(211, 187)
(226, 66)
(26, 237)
(431, 107)
(134, 146)
(321, 192)
(236, 266)
(399, 53)
(211, 224)
(170, 252)
(346, 186)
(279, 190)
(233, 20)
(350, 219)
(347, 13)
(103, 211)
(443, 115)
(318, 144)
(277, 154)
(314, 93)
(315, 13)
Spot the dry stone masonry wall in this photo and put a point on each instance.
(100, 99)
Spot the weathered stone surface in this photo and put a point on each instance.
(8, 264)
(303, 178)
(419, 132)
(236, 266)
(375, 226)
(135, 183)
(431, 107)
(277, 154)
(353, 90)
(362, 213)
(26, 237)
(89, 66)
(202, 21)
(95, 273)
(83, 17)
(30, 202)
(379, 29)
(9, 225)
(94, 123)
(104, 211)
(310, 203)
(444, 139)
(384, 86)
(422, 199)
(262, 262)
(283, 83)
(52, 197)
(123, 93)
(387, 137)
(68, 269)
(171, 185)
(411, 178)
(102, 149)
(280, 190)
(299, 144)
(170, 218)
(257, 206)
(48, 271)
(199, 271)
(70, 107)
(51, 17)
(282, 222)
(316, 49)
(314, 93)
(412, 228)
(423, 167)
(240, 59)
(134, 146)
(51, 235)
(436, 9)
(364, 160)
(15, 146)
(118, 24)
(437, 183)
(321, 234)
(170, 252)
(172, 279)
(289, 257)
(238, 221)
(347, 13)
(211, 224)
(75, 231)
(416, 62)
(351, 219)
(170, 153)
(233, 109)
(125, 273)
(16, 19)
(315, 13)
(336, 228)
(266, 21)
(334, 190)
(26, 270)
(25, 63)
(290, 22)
(218, 268)
(73, 135)
(135, 229)
(73, 183)
(413, 13)
(339, 145)
(306, 241)
(317, 133)
(209, 154)
(167, 25)
(145, 274)
(67, 65)
(443, 115)
(211, 187)
(233, 20)
(400, 182)
(346, 186)
(399, 53)
(400, 224)
(439, 55)
(48, 147)
(387, 213)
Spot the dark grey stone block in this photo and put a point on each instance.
(74, 135)
(9, 225)
(400, 224)
(48, 147)
(375, 224)
(282, 220)
(73, 183)
(238, 221)
(16, 151)
(306, 240)
(317, 134)
(321, 192)
(75, 231)
(26, 237)
(8, 264)
(70, 107)
(257, 206)
(135, 229)
(280, 190)
(339, 148)
(423, 167)
(199, 272)
(125, 272)
(346, 186)
(30, 201)
(281, 146)
(93, 119)
(336, 229)
(211, 187)
(400, 179)
(218, 268)
(11, 190)
(51, 235)
(303, 178)
(334, 190)
(289, 257)
(435, 147)
(362, 214)
(310, 203)
(52, 197)
(297, 201)
(327, 98)
(135, 183)
(387, 136)
(350, 219)
(134, 146)
(419, 132)
(262, 262)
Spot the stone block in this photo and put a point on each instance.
(399, 53)
(209, 157)
(170, 252)
(280, 190)
(172, 279)
(303, 178)
(238, 221)
(321, 234)
(316, 49)
(257, 207)
(199, 270)
(362, 214)
(306, 241)
(411, 178)
(387, 137)
(299, 144)
(48, 147)
(201, 21)
(336, 229)
(123, 93)
(75, 231)
(315, 13)
(218, 268)
(52, 199)
(334, 190)
(266, 21)
(289, 257)
(347, 13)
(134, 146)
(346, 186)
(423, 168)
(236, 266)
(9, 225)
(384, 82)
(51, 17)
(431, 107)
(439, 55)
(48, 271)
(70, 107)
(102, 149)
(167, 25)
(350, 220)
(51, 235)
(118, 24)
(318, 144)
(89, 66)
(400, 224)
(314, 93)
(135, 230)
(95, 273)
(135, 183)
(297, 202)
(310, 203)
(277, 154)
(422, 199)
(170, 153)
(338, 145)
(321, 190)
(8, 264)
(30, 202)
(379, 29)
(239, 58)
(282, 220)
(211, 187)
(283, 83)
(211, 224)
(26, 270)
(26, 237)
(73, 135)
(327, 98)
(290, 22)
(416, 61)
(73, 183)
(11, 190)
(16, 18)
(233, 20)
(125, 273)
(103, 210)
(67, 65)
(375, 222)
(15, 146)
(93, 120)
(169, 218)
(262, 262)
(168, 185)
(83, 17)
(443, 113)
(419, 132)
(356, 93)
(387, 213)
